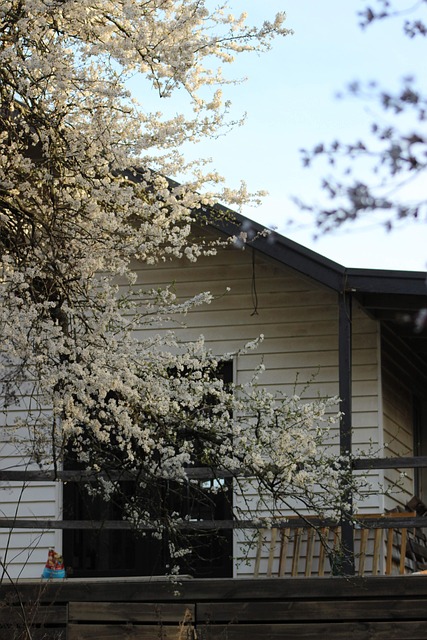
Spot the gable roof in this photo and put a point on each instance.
(396, 298)
(318, 267)
(391, 296)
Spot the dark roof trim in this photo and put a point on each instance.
(317, 266)
(304, 260)
(383, 281)
(280, 248)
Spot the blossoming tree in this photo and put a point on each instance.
(382, 175)
(82, 194)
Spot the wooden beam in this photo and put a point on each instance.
(162, 589)
(406, 462)
(83, 475)
(381, 522)
(346, 563)
(200, 473)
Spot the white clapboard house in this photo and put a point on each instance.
(357, 331)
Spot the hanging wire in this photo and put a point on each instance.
(253, 287)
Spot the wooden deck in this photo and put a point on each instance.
(372, 608)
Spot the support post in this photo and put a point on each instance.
(345, 392)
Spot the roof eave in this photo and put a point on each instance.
(274, 245)
(316, 266)
(304, 260)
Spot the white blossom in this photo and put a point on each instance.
(82, 196)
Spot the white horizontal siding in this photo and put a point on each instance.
(299, 321)
(24, 552)
(18, 503)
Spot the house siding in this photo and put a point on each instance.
(366, 406)
(398, 434)
(299, 322)
(22, 551)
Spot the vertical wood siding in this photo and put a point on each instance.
(398, 435)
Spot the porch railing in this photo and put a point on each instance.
(376, 529)
(305, 548)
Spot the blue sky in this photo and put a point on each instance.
(290, 100)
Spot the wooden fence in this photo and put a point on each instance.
(381, 608)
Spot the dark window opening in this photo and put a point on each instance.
(104, 552)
